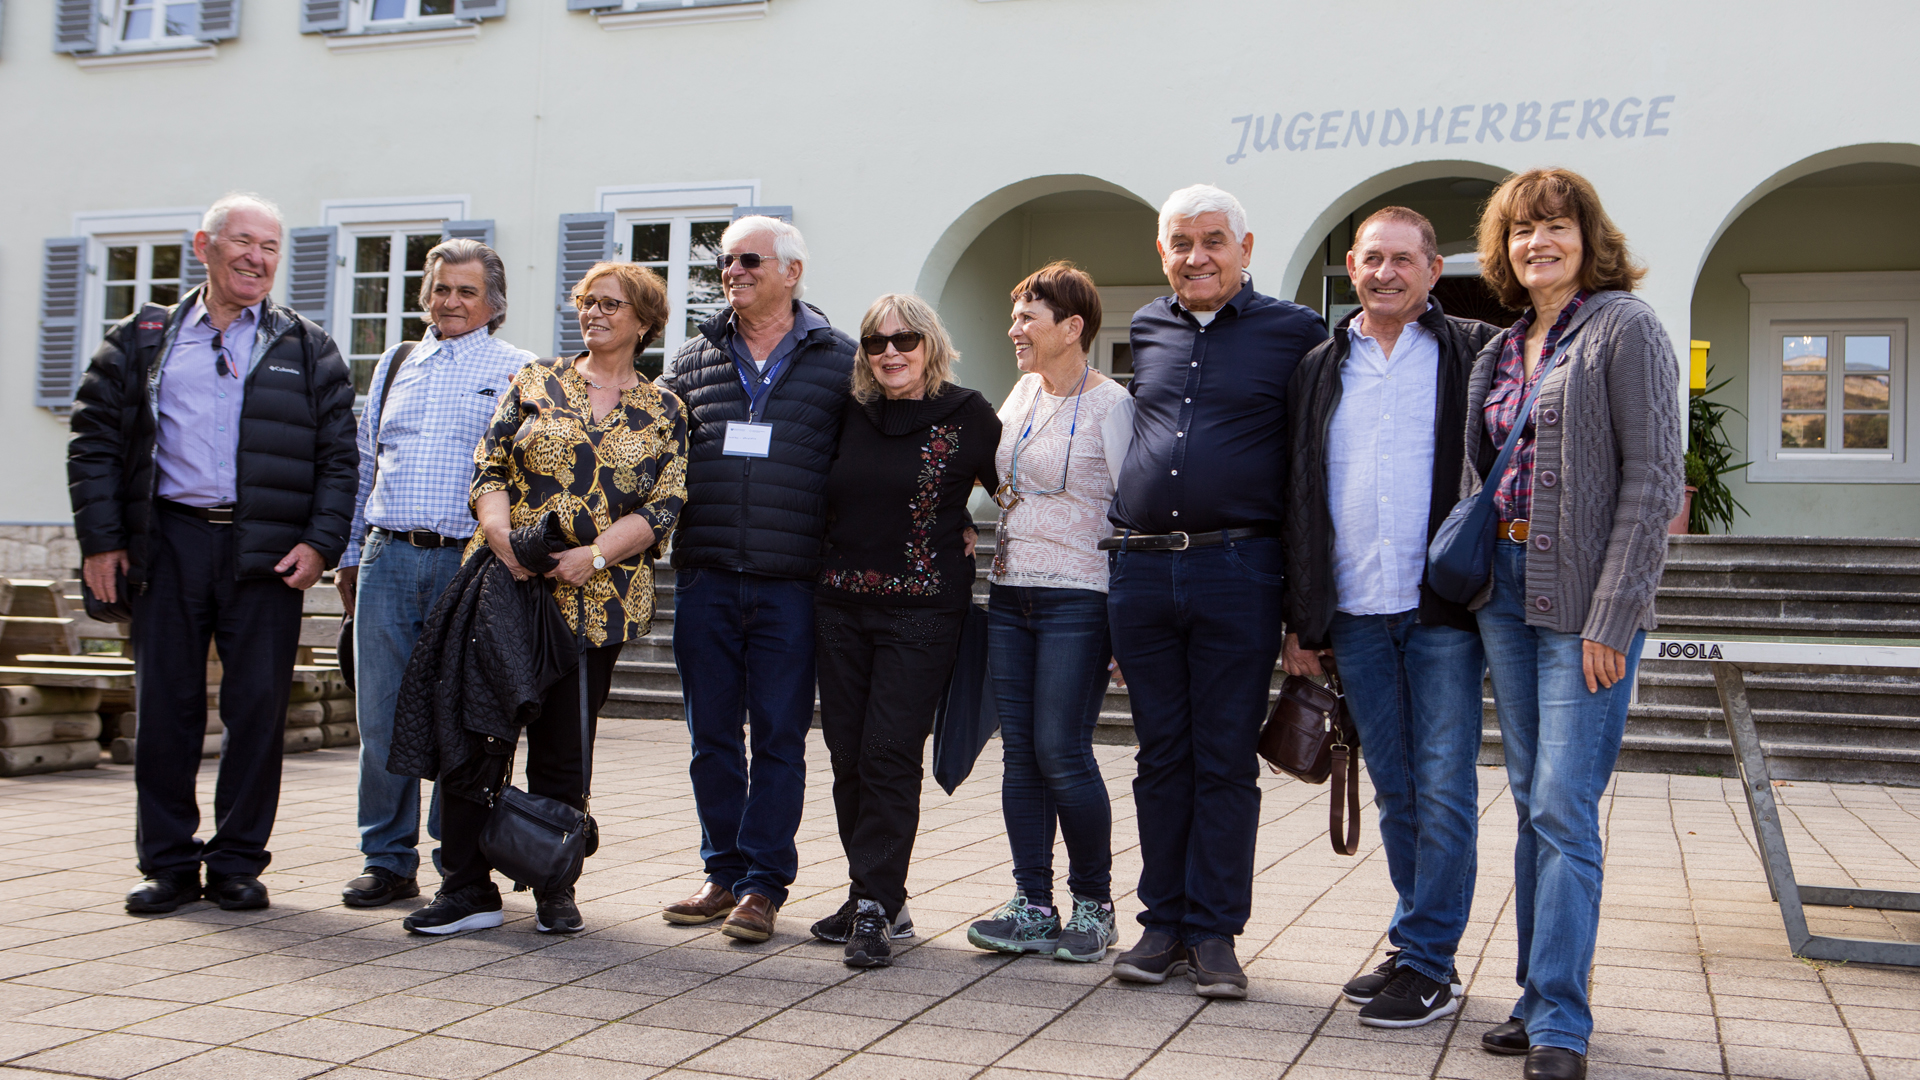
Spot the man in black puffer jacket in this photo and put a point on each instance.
(212, 473)
(765, 384)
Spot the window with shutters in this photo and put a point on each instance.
(157, 22)
(118, 32)
(639, 14)
(683, 248)
(137, 270)
(354, 25)
(384, 269)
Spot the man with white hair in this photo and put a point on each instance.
(1196, 570)
(212, 471)
(764, 383)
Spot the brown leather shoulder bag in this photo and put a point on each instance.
(1310, 736)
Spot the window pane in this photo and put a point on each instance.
(389, 9)
(650, 243)
(139, 25)
(373, 253)
(1804, 353)
(418, 244)
(703, 284)
(1869, 352)
(1866, 392)
(122, 263)
(412, 329)
(1122, 359)
(369, 336)
(363, 375)
(1803, 391)
(1866, 431)
(411, 301)
(180, 20)
(650, 364)
(436, 7)
(119, 301)
(166, 261)
(369, 297)
(1803, 431)
(705, 246)
(166, 293)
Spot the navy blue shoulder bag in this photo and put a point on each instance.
(1460, 559)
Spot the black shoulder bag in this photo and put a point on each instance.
(344, 647)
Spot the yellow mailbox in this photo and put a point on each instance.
(1697, 376)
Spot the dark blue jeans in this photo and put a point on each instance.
(744, 647)
(1561, 742)
(1197, 633)
(1048, 651)
(1414, 692)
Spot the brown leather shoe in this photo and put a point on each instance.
(752, 919)
(708, 904)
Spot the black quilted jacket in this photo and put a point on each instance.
(490, 649)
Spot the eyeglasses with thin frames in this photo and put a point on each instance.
(607, 304)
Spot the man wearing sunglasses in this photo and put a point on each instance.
(764, 383)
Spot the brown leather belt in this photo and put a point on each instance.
(423, 538)
(212, 515)
(1515, 531)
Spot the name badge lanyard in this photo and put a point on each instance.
(1009, 495)
(759, 386)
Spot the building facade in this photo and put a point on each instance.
(1757, 158)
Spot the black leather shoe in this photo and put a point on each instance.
(1216, 971)
(1508, 1038)
(1154, 959)
(377, 887)
(1554, 1063)
(237, 892)
(159, 895)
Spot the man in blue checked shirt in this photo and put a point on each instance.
(410, 523)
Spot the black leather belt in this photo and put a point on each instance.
(1179, 541)
(422, 538)
(212, 515)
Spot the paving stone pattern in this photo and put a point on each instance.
(1693, 978)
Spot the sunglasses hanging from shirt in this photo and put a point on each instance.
(1010, 494)
(220, 355)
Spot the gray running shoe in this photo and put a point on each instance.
(1089, 933)
(1016, 928)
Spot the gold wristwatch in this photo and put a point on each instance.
(599, 560)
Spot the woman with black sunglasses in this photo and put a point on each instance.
(899, 575)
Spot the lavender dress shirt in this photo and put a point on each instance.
(196, 451)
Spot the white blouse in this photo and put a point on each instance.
(1049, 539)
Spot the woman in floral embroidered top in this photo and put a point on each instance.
(898, 578)
(589, 438)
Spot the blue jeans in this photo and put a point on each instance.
(1197, 633)
(744, 647)
(1414, 692)
(1048, 651)
(398, 584)
(1561, 743)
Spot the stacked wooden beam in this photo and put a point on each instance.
(48, 729)
(321, 711)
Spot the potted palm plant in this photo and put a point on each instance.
(1710, 456)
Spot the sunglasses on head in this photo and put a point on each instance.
(903, 342)
(749, 259)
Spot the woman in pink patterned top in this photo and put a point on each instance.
(1064, 430)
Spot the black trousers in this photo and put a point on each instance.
(556, 767)
(192, 597)
(882, 670)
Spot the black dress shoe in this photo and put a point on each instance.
(377, 887)
(1508, 1038)
(159, 895)
(1154, 959)
(237, 892)
(1554, 1063)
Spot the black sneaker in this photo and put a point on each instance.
(1089, 933)
(1408, 1000)
(556, 913)
(838, 927)
(867, 945)
(1154, 959)
(476, 907)
(1367, 987)
(1017, 927)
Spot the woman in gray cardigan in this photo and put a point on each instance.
(1583, 508)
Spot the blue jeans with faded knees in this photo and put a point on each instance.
(1414, 692)
(1048, 651)
(1561, 743)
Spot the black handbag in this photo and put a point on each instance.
(1460, 558)
(967, 715)
(120, 611)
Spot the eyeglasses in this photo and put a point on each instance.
(607, 304)
(903, 342)
(749, 259)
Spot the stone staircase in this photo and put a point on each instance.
(1864, 729)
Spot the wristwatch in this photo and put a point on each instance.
(599, 560)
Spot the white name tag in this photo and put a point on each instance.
(748, 440)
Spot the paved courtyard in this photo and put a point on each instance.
(1692, 979)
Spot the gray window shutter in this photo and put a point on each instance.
(481, 230)
(219, 20)
(784, 213)
(74, 25)
(592, 5)
(63, 275)
(310, 273)
(322, 16)
(585, 239)
(193, 272)
(479, 9)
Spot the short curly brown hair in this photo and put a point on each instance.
(1540, 194)
(645, 291)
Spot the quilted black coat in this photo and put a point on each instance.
(490, 649)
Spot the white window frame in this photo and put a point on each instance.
(1118, 303)
(1832, 304)
(642, 14)
(355, 218)
(677, 205)
(364, 33)
(114, 12)
(111, 52)
(113, 228)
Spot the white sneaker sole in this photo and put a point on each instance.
(479, 920)
(1452, 1006)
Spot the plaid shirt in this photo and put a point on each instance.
(442, 401)
(1513, 499)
